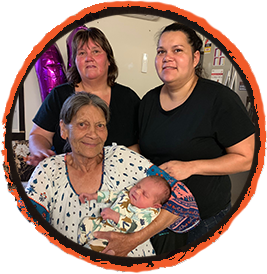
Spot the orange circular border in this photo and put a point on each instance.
(239, 59)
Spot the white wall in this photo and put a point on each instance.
(130, 38)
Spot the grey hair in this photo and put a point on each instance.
(72, 105)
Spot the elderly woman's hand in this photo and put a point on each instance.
(178, 169)
(119, 244)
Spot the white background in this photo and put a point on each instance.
(241, 249)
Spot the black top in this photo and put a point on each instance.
(123, 125)
(210, 120)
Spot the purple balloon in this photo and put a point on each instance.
(50, 70)
(69, 41)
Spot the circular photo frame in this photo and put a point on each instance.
(133, 11)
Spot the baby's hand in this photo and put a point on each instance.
(108, 213)
(87, 197)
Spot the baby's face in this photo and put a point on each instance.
(145, 194)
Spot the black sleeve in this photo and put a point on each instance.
(230, 119)
(123, 125)
(47, 116)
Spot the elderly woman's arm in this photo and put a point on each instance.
(238, 158)
(121, 244)
(40, 142)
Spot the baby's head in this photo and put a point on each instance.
(152, 191)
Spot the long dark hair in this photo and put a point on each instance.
(193, 39)
(97, 36)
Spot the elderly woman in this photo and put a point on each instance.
(57, 181)
(93, 70)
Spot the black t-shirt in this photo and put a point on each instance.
(123, 125)
(210, 120)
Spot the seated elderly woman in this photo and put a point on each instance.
(57, 181)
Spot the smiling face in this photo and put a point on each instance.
(87, 132)
(92, 62)
(146, 193)
(175, 62)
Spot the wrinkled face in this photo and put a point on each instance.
(87, 132)
(175, 62)
(92, 62)
(145, 194)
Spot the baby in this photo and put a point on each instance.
(133, 208)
